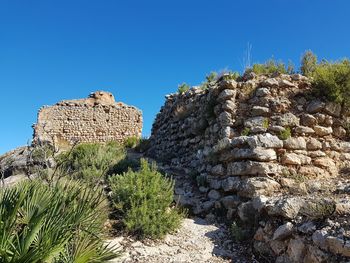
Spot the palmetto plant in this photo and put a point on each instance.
(58, 223)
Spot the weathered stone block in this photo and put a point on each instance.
(297, 143)
(258, 186)
(253, 168)
(323, 131)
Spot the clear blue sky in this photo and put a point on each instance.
(141, 50)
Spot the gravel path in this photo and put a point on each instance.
(195, 241)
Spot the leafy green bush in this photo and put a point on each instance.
(237, 232)
(285, 134)
(211, 76)
(245, 132)
(308, 63)
(40, 153)
(124, 165)
(137, 143)
(231, 75)
(91, 161)
(143, 145)
(266, 123)
(59, 224)
(143, 199)
(182, 88)
(272, 67)
(132, 142)
(333, 80)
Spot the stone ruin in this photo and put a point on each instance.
(97, 118)
(266, 151)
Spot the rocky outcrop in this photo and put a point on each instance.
(95, 119)
(19, 164)
(264, 149)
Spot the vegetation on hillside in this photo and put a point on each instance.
(90, 162)
(182, 88)
(62, 219)
(137, 143)
(272, 67)
(329, 79)
(332, 80)
(308, 63)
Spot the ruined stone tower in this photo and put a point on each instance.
(97, 118)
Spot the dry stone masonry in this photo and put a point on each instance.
(95, 119)
(267, 151)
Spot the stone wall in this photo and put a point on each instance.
(233, 126)
(95, 119)
(264, 148)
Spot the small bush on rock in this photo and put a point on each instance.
(143, 200)
(210, 78)
(266, 123)
(231, 75)
(285, 134)
(182, 88)
(245, 132)
(272, 67)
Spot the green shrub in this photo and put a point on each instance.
(132, 142)
(266, 123)
(285, 134)
(308, 63)
(59, 224)
(211, 77)
(137, 143)
(91, 161)
(231, 75)
(40, 153)
(333, 81)
(124, 165)
(143, 199)
(290, 67)
(245, 132)
(272, 67)
(182, 88)
(143, 145)
(237, 232)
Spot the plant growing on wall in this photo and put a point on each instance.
(182, 88)
(285, 134)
